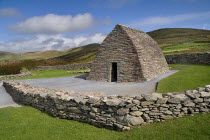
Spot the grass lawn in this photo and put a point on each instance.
(28, 123)
(52, 74)
(189, 77)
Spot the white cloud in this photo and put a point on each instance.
(52, 23)
(206, 26)
(164, 20)
(9, 12)
(49, 42)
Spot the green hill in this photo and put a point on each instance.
(75, 55)
(80, 54)
(5, 56)
(2, 53)
(175, 36)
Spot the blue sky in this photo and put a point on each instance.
(38, 25)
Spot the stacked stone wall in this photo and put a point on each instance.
(194, 58)
(63, 67)
(112, 112)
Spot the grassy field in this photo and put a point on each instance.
(186, 48)
(53, 74)
(189, 77)
(28, 123)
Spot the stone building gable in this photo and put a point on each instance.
(149, 53)
(128, 49)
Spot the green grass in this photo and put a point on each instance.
(52, 74)
(189, 77)
(28, 123)
(187, 48)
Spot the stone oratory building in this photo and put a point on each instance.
(128, 55)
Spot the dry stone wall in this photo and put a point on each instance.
(189, 59)
(63, 67)
(112, 112)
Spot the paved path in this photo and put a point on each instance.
(79, 84)
(5, 98)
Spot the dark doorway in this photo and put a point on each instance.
(114, 72)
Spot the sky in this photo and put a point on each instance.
(40, 25)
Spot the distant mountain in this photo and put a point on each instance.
(5, 56)
(164, 37)
(84, 53)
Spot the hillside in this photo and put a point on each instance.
(5, 56)
(80, 54)
(171, 40)
(175, 36)
(2, 53)
(72, 54)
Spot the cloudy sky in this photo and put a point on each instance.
(38, 25)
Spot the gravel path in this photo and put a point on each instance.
(5, 98)
(79, 84)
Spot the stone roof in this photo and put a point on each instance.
(137, 55)
(147, 49)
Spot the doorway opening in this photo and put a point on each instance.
(114, 72)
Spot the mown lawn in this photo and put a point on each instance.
(27, 123)
(189, 77)
(52, 74)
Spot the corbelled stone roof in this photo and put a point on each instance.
(147, 49)
(137, 55)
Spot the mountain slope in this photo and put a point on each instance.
(81, 54)
(5, 56)
(2, 53)
(175, 36)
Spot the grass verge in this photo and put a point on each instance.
(189, 77)
(28, 123)
(52, 74)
